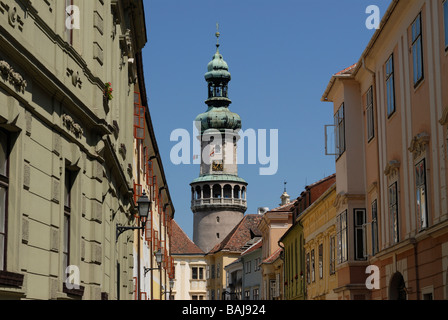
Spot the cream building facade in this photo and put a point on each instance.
(66, 147)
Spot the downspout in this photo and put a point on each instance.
(417, 282)
(282, 257)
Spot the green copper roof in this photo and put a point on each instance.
(219, 119)
(219, 178)
(218, 68)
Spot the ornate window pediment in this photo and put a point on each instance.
(392, 168)
(419, 144)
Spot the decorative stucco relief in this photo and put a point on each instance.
(72, 126)
(10, 75)
(419, 144)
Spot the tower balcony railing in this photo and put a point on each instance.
(229, 201)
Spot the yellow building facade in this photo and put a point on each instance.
(319, 232)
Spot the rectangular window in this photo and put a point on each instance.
(4, 184)
(339, 121)
(341, 221)
(393, 211)
(390, 86)
(332, 255)
(247, 295)
(308, 268)
(313, 266)
(417, 50)
(422, 205)
(194, 273)
(370, 115)
(375, 228)
(445, 16)
(360, 234)
(67, 218)
(256, 294)
(321, 261)
(248, 266)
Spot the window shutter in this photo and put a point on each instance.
(138, 192)
(139, 118)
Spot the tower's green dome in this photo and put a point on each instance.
(218, 68)
(218, 118)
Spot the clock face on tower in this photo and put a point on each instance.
(217, 166)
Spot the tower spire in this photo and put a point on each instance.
(217, 34)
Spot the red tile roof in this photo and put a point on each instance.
(348, 70)
(181, 244)
(243, 232)
(273, 256)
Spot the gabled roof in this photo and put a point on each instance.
(244, 231)
(285, 208)
(254, 247)
(273, 257)
(181, 244)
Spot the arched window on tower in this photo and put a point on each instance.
(217, 191)
(243, 193)
(227, 192)
(236, 192)
(198, 193)
(206, 192)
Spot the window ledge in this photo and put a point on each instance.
(74, 292)
(11, 279)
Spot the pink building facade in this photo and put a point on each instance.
(391, 125)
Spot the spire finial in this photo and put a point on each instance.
(217, 34)
(285, 183)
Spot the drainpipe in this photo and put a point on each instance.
(417, 282)
(282, 257)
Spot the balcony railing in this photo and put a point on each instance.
(211, 201)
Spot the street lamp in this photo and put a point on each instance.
(171, 287)
(143, 211)
(159, 258)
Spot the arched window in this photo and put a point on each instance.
(227, 191)
(217, 191)
(236, 192)
(198, 193)
(206, 192)
(397, 287)
(243, 193)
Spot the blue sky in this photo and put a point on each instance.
(281, 55)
